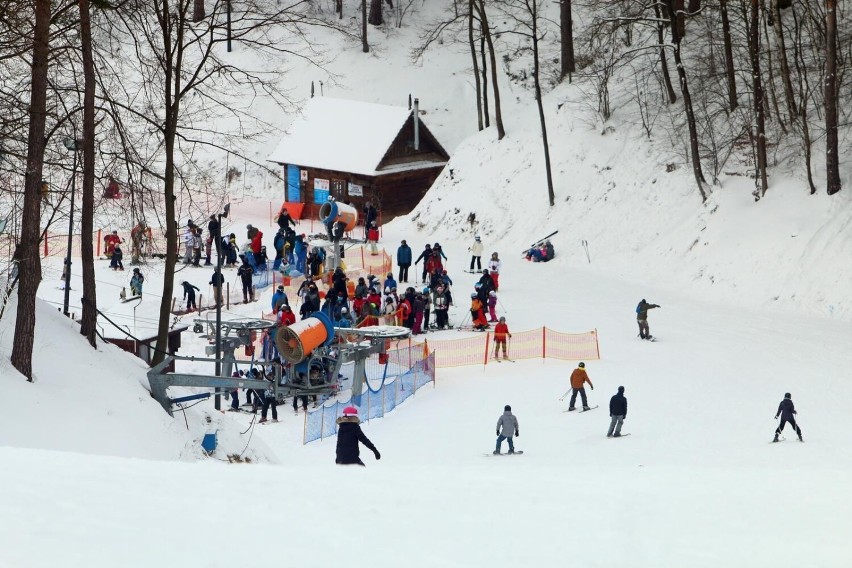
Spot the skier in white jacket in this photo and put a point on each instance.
(494, 266)
(476, 253)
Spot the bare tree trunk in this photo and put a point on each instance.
(664, 64)
(198, 13)
(376, 13)
(757, 82)
(566, 39)
(365, 47)
(784, 62)
(832, 159)
(89, 322)
(475, 64)
(729, 56)
(533, 8)
(687, 106)
(498, 114)
(804, 96)
(29, 263)
(482, 52)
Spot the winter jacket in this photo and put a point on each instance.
(284, 220)
(507, 425)
(786, 410)
(256, 242)
(403, 255)
(390, 283)
(213, 227)
(217, 279)
(349, 433)
(373, 234)
(501, 332)
(360, 290)
(476, 248)
(244, 272)
(286, 318)
(279, 299)
(278, 242)
(189, 290)
(440, 301)
(618, 405)
(424, 256)
(492, 302)
(579, 378)
(642, 310)
(495, 265)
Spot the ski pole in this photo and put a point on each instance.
(561, 398)
(502, 307)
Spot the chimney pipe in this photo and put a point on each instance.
(416, 124)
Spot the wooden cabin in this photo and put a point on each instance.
(358, 152)
(144, 348)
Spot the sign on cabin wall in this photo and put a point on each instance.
(321, 187)
(304, 175)
(356, 190)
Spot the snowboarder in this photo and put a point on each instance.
(578, 379)
(245, 273)
(507, 428)
(501, 332)
(403, 259)
(642, 318)
(617, 413)
(348, 435)
(786, 410)
(189, 295)
(476, 253)
(136, 282)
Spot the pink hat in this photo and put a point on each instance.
(350, 411)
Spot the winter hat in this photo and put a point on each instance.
(473, 294)
(350, 411)
(507, 407)
(280, 288)
(135, 270)
(502, 319)
(344, 311)
(249, 227)
(787, 395)
(492, 293)
(582, 365)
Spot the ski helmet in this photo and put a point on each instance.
(787, 395)
(473, 294)
(582, 365)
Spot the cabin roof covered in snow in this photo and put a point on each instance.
(341, 135)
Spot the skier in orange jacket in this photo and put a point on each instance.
(578, 379)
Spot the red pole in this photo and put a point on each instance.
(487, 338)
(543, 342)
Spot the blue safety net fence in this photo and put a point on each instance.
(390, 381)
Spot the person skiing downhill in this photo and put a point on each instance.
(617, 413)
(349, 433)
(578, 379)
(786, 410)
(642, 318)
(507, 428)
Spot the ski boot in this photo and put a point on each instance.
(776, 438)
(511, 451)
(585, 408)
(800, 438)
(496, 453)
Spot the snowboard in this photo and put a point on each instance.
(517, 453)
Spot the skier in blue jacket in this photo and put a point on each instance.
(403, 259)
(390, 282)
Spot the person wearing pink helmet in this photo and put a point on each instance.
(349, 433)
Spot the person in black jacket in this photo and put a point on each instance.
(217, 281)
(786, 410)
(189, 295)
(245, 273)
(617, 413)
(348, 435)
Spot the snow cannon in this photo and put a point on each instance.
(295, 342)
(335, 212)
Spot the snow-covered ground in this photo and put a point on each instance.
(755, 303)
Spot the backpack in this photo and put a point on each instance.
(639, 308)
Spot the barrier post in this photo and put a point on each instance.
(305, 427)
(227, 295)
(363, 264)
(322, 421)
(597, 344)
(487, 341)
(99, 242)
(44, 235)
(543, 342)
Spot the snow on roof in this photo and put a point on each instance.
(342, 135)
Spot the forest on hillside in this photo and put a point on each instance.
(105, 96)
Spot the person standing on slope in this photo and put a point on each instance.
(403, 260)
(501, 332)
(786, 410)
(349, 433)
(578, 379)
(507, 428)
(617, 413)
(642, 318)
(189, 295)
(476, 253)
(494, 266)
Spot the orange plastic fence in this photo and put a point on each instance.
(537, 343)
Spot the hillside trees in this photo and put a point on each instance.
(832, 156)
(184, 78)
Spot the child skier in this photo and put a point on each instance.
(136, 282)
(507, 428)
(189, 295)
(349, 433)
(373, 238)
(116, 257)
(501, 331)
(477, 314)
(492, 305)
(617, 413)
(494, 266)
(642, 318)
(786, 410)
(578, 379)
